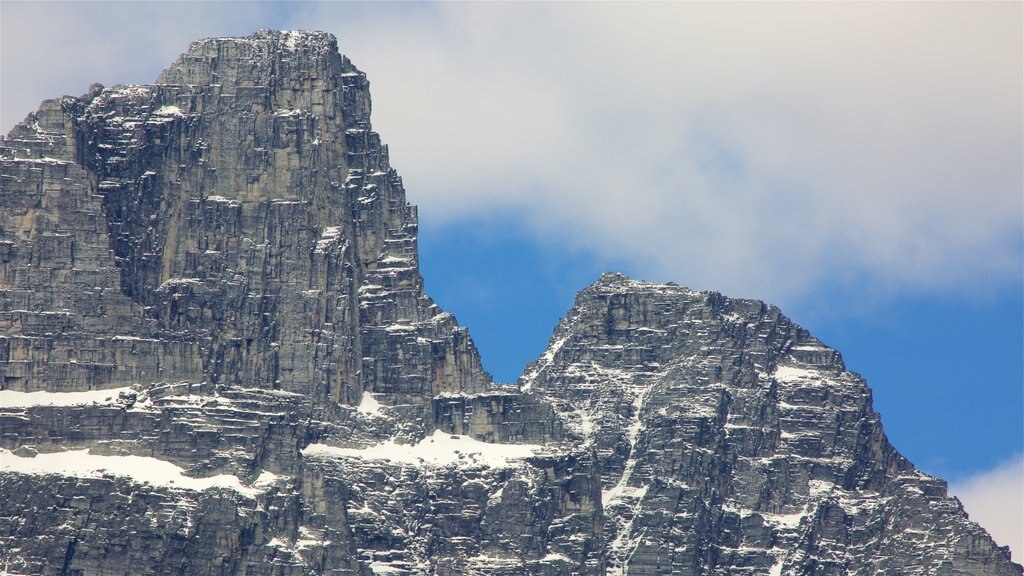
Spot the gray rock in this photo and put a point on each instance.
(729, 440)
(217, 358)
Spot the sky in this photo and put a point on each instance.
(859, 164)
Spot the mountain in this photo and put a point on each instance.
(219, 360)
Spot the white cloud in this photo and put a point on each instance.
(995, 499)
(759, 149)
(51, 49)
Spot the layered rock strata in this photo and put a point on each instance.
(217, 358)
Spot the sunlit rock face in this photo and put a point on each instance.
(729, 440)
(217, 358)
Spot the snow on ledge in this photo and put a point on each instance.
(266, 479)
(378, 567)
(438, 449)
(141, 469)
(168, 111)
(369, 405)
(795, 373)
(13, 399)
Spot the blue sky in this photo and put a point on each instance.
(858, 164)
(946, 371)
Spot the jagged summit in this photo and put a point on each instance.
(270, 40)
(217, 358)
(727, 435)
(618, 279)
(270, 56)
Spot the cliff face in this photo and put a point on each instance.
(217, 358)
(729, 440)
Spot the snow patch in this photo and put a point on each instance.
(141, 469)
(228, 201)
(618, 493)
(330, 235)
(266, 478)
(495, 499)
(489, 563)
(43, 160)
(168, 111)
(369, 405)
(783, 520)
(129, 90)
(395, 260)
(438, 449)
(545, 360)
(820, 488)
(195, 282)
(309, 537)
(809, 347)
(585, 425)
(796, 374)
(291, 38)
(556, 557)
(379, 567)
(12, 399)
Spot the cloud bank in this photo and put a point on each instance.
(769, 150)
(763, 150)
(995, 499)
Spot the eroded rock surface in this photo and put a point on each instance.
(217, 358)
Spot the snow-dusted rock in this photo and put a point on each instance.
(217, 358)
(731, 441)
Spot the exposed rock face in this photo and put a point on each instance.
(729, 440)
(217, 358)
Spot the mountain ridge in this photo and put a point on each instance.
(216, 277)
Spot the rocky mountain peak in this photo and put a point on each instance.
(218, 358)
(261, 59)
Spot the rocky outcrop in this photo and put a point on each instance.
(217, 358)
(729, 440)
(215, 272)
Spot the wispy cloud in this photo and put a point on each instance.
(764, 150)
(995, 499)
